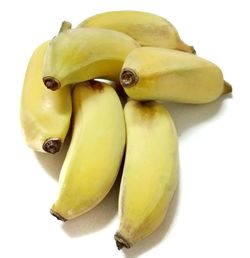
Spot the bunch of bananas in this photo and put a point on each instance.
(143, 60)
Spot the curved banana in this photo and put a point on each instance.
(150, 174)
(146, 28)
(82, 54)
(45, 115)
(152, 73)
(95, 151)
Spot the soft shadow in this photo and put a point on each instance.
(52, 163)
(187, 116)
(156, 237)
(98, 217)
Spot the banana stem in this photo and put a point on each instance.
(227, 88)
(128, 78)
(182, 46)
(65, 26)
(121, 241)
(57, 215)
(51, 83)
(52, 145)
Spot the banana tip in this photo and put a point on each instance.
(193, 51)
(65, 26)
(51, 83)
(128, 78)
(52, 145)
(57, 215)
(227, 88)
(121, 241)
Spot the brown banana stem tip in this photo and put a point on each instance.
(128, 78)
(51, 83)
(52, 145)
(193, 51)
(227, 88)
(121, 241)
(65, 26)
(57, 215)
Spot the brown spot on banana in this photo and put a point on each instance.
(95, 85)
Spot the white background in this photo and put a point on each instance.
(210, 214)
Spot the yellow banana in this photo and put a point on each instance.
(117, 87)
(95, 151)
(152, 73)
(150, 173)
(45, 115)
(147, 28)
(82, 54)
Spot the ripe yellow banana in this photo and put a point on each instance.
(95, 151)
(164, 74)
(150, 173)
(118, 88)
(147, 28)
(45, 115)
(82, 54)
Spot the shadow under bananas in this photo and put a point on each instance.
(187, 116)
(98, 217)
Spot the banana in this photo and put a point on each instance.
(152, 73)
(147, 28)
(77, 55)
(95, 152)
(45, 115)
(118, 88)
(150, 173)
